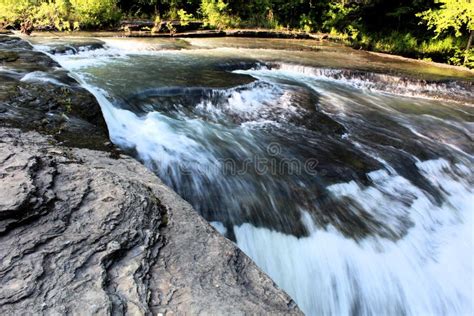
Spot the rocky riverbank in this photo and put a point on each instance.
(37, 94)
(85, 229)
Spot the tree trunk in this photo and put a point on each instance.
(469, 42)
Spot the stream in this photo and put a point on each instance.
(349, 185)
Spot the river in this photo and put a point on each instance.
(351, 186)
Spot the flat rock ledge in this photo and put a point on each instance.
(86, 231)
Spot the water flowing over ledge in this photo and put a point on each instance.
(450, 89)
(383, 222)
(93, 231)
(100, 50)
(375, 276)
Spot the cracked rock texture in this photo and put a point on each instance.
(87, 232)
(84, 233)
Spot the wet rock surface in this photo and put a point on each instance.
(82, 232)
(36, 94)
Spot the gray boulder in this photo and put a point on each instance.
(84, 233)
(87, 230)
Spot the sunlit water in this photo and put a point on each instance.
(353, 191)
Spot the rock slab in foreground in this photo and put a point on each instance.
(94, 232)
(84, 233)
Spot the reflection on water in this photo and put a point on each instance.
(353, 195)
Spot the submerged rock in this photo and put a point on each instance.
(82, 232)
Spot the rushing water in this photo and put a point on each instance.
(352, 190)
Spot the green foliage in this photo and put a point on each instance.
(53, 14)
(306, 23)
(452, 14)
(439, 47)
(463, 58)
(184, 17)
(94, 13)
(342, 18)
(455, 15)
(59, 14)
(216, 14)
(13, 12)
(386, 26)
(256, 13)
(170, 27)
(157, 27)
(447, 49)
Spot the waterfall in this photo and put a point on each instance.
(352, 190)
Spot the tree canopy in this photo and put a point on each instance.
(415, 28)
(457, 15)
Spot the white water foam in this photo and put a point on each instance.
(368, 81)
(7, 70)
(140, 46)
(219, 227)
(155, 139)
(41, 77)
(427, 272)
(256, 102)
(90, 58)
(84, 57)
(151, 136)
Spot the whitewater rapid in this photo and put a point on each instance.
(427, 272)
(414, 252)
